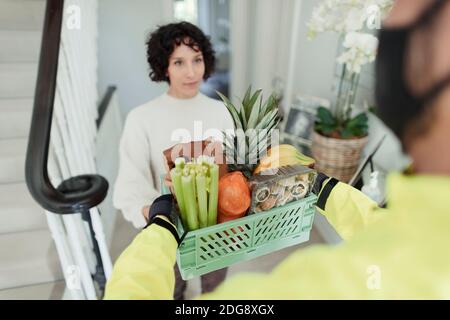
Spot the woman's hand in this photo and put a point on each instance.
(168, 183)
(145, 211)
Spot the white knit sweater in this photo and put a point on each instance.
(149, 130)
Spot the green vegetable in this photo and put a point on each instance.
(179, 163)
(176, 175)
(196, 186)
(202, 200)
(188, 184)
(213, 194)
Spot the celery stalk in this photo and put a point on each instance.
(213, 194)
(176, 175)
(202, 200)
(193, 174)
(179, 163)
(188, 183)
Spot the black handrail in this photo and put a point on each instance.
(77, 194)
(104, 104)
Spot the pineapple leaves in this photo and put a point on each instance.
(232, 110)
(247, 96)
(248, 108)
(253, 119)
(268, 106)
(242, 116)
(252, 101)
(257, 119)
(267, 120)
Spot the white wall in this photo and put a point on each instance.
(318, 72)
(123, 30)
(107, 161)
(261, 39)
(315, 61)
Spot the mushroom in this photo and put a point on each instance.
(268, 204)
(300, 189)
(262, 194)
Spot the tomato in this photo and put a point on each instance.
(234, 194)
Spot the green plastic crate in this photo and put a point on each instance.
(215, 247)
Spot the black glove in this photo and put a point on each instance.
(318, 184)
(320, 179)
(162, 206)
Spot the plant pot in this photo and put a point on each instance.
(338, 158)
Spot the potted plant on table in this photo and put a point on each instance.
(341, 133)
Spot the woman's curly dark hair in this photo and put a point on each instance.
(162, 42)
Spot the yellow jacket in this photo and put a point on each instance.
(396, 253)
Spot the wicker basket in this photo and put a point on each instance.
(338, 158)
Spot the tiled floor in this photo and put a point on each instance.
(44, 291)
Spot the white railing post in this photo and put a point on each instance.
(62, 247)
(100, 236)
(80, 259)
(63, 152)
(73, 138)
(59, 235)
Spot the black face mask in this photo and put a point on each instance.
(397, 106)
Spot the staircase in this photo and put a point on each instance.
(29, 266)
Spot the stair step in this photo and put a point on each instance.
(19, 46)
(28, 258)
(17, 80)
(19, 212)
(44, 291)
(12, 160)
(16, 105)
(15, 118)
(22, 14)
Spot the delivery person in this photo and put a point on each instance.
(395, 253)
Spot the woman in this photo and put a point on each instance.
(181, 55)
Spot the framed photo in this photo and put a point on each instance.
(299, 123)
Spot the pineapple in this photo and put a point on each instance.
(254, 125)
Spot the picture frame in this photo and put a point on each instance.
(294, 141)
(299, 123)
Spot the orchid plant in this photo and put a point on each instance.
(352, 20)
